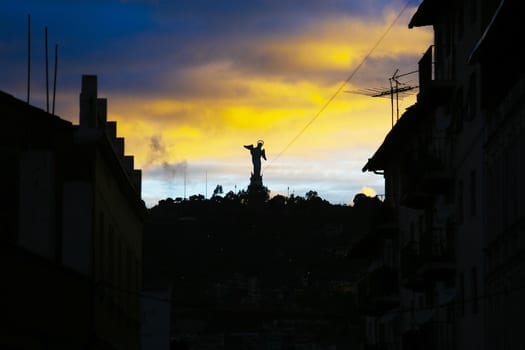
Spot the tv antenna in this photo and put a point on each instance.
(397, 88)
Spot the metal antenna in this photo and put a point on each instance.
(397, 88)
(28, 57)
(184, 183)
(55, 78)
(47, 75)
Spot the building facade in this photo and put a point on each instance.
(502, 92)
(72, 204)
(452, 167)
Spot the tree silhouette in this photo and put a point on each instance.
(311, 195)
(217, 191)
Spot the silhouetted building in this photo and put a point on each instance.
(73, 217)
(376, 284)
(452, 167)
(501, 90)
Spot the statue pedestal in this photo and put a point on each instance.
(256, 182)
(257, 193)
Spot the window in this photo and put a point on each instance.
(111, 264)
(100, 262)
(461, 19)
(473, 196)
(458, 110)
(111, 255)
(521, 175)
(472, 100)
(447, 44)
(118, 281)
(137, 281)
(129, 276)
(473, 11)
(459, 209)
(388, 253)
(461, 294)
(474, 289)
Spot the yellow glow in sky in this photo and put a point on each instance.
(229, 107)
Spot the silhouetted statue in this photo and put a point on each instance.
(257, 153)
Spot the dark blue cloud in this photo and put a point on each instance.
(133, 43)
(90, 35)
(91, 23)
(256, 16)
(275, 7)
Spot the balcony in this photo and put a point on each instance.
(437, 255)
(409, 263)
(379, 290)
(416, 199)
(433, 90)
(435, 166)
(429, 174)
(429, 260)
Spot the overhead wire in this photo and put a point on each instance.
(340, 88)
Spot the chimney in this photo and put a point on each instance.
(102, 112)
(88, 102)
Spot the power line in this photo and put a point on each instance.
(340, 88)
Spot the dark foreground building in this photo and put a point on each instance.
(454, 167)
(71, 233)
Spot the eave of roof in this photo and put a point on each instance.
(392, 139)
(488, 34)
(26, 112)
(427, 12)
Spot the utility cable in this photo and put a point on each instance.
(340, 88)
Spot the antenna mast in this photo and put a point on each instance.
(396, 88)
(47, 75)
(55, 78)
(28, 57)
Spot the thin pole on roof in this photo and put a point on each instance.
(47, 74)
(391, 101)
(55, 78)
(28, 57)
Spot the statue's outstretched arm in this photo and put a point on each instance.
(250, 147)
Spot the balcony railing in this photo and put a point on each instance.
(435, 166)
(437, 254)
(432, 89)
(379, 290)
(440, 150)
(428, 260)
(426, 69)
(429, 174)
(437, 244)
(409, 262)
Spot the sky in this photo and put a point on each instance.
(190, 82)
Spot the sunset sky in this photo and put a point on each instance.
(190, 82)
